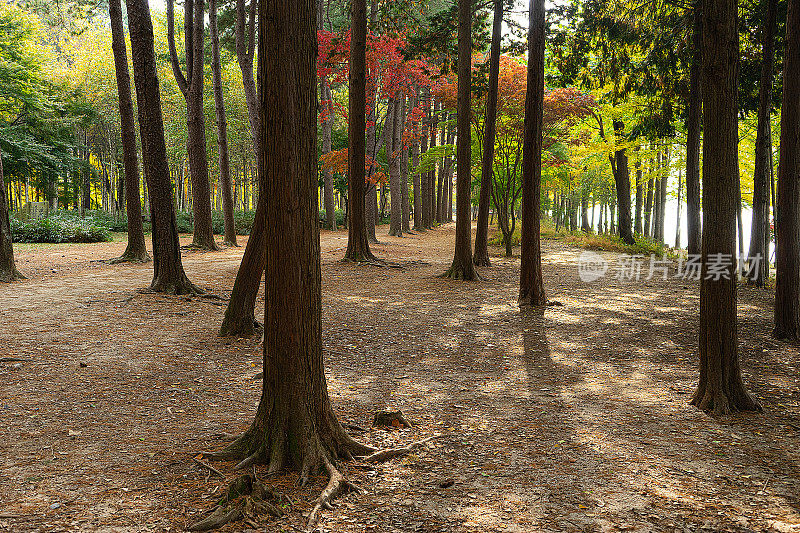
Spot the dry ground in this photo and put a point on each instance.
(576, 419)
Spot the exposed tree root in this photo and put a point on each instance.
(130, 258)
(246, 498)
(209, 467)
(13, 275)
(381, 456)
(337, 485)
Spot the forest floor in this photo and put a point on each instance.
(574, 419)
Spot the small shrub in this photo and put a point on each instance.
(60, 228)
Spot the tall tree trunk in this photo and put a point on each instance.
(136, 250)
(662, 196)
(694, 117)
(406, 208)
(357, 244)
(327, 133)
(222, 130)
(622, 180)
(294, 425)
(531, 282)
(392, 143)
(8, 268)
(787, 236)
(638, 224)
(759, 229)
(191, 85)
(168, 275)
(720, 387)
(427, 186)
(481, 255)
(648, 205)
(678, 213)
(415, 152)
(585, 224)
(462, 267)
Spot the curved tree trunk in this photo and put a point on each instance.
(168, 275)
(294, 425)
(787, 257)
(462, 267)
(222, 129)
(136, 250)
(191, 86)
(240, 314)
(694, 115)
(8, 268)
(720, 388)
(357, 243)
(759, 229)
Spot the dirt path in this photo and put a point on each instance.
(571, 420)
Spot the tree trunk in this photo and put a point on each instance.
(678, 214)
(326, 104)
(222, 130)
(648, 205)
(531, 283)
(694, 117)
(481, 255)
(294, 425)
(662, 196)
(136, 250)
(622, 180)
(720, 387)
(638, 224)
(758, 255)
(585, 225)
(357, 244)
(8, 268)
(427, 183)
(787, 236)
(168, 275)
(462, 267)
(405, 207)
(415, 152)
(191, 86)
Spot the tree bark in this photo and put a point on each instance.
(191, 86)
(648, 204)
(415, 152)
(622, 180)
(481, 255)
(694, 117)
(168, 274)
(462, 267)
(787, 237)
(391, 137)
(357, 243)
(638, 224)
(406, 208)
(136, 250)
(759, 229)
(678, 213)
(294, 425)
(8, 268)
(222, 130)
(531, 282)
(720, 389)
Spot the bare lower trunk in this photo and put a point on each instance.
(462, 267)
(531, 283)
(638, 224)
(393, 151)
(8, 268)
(759, 229)
(294, 425)
(481, 255)
(787, 276)
(191, 85)
(168, 275)
(622, 180)
(415, 151)
(720, 387)
(136, 250)
(357, 244)
(694, 114)
(406, 208)
(222, 130)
